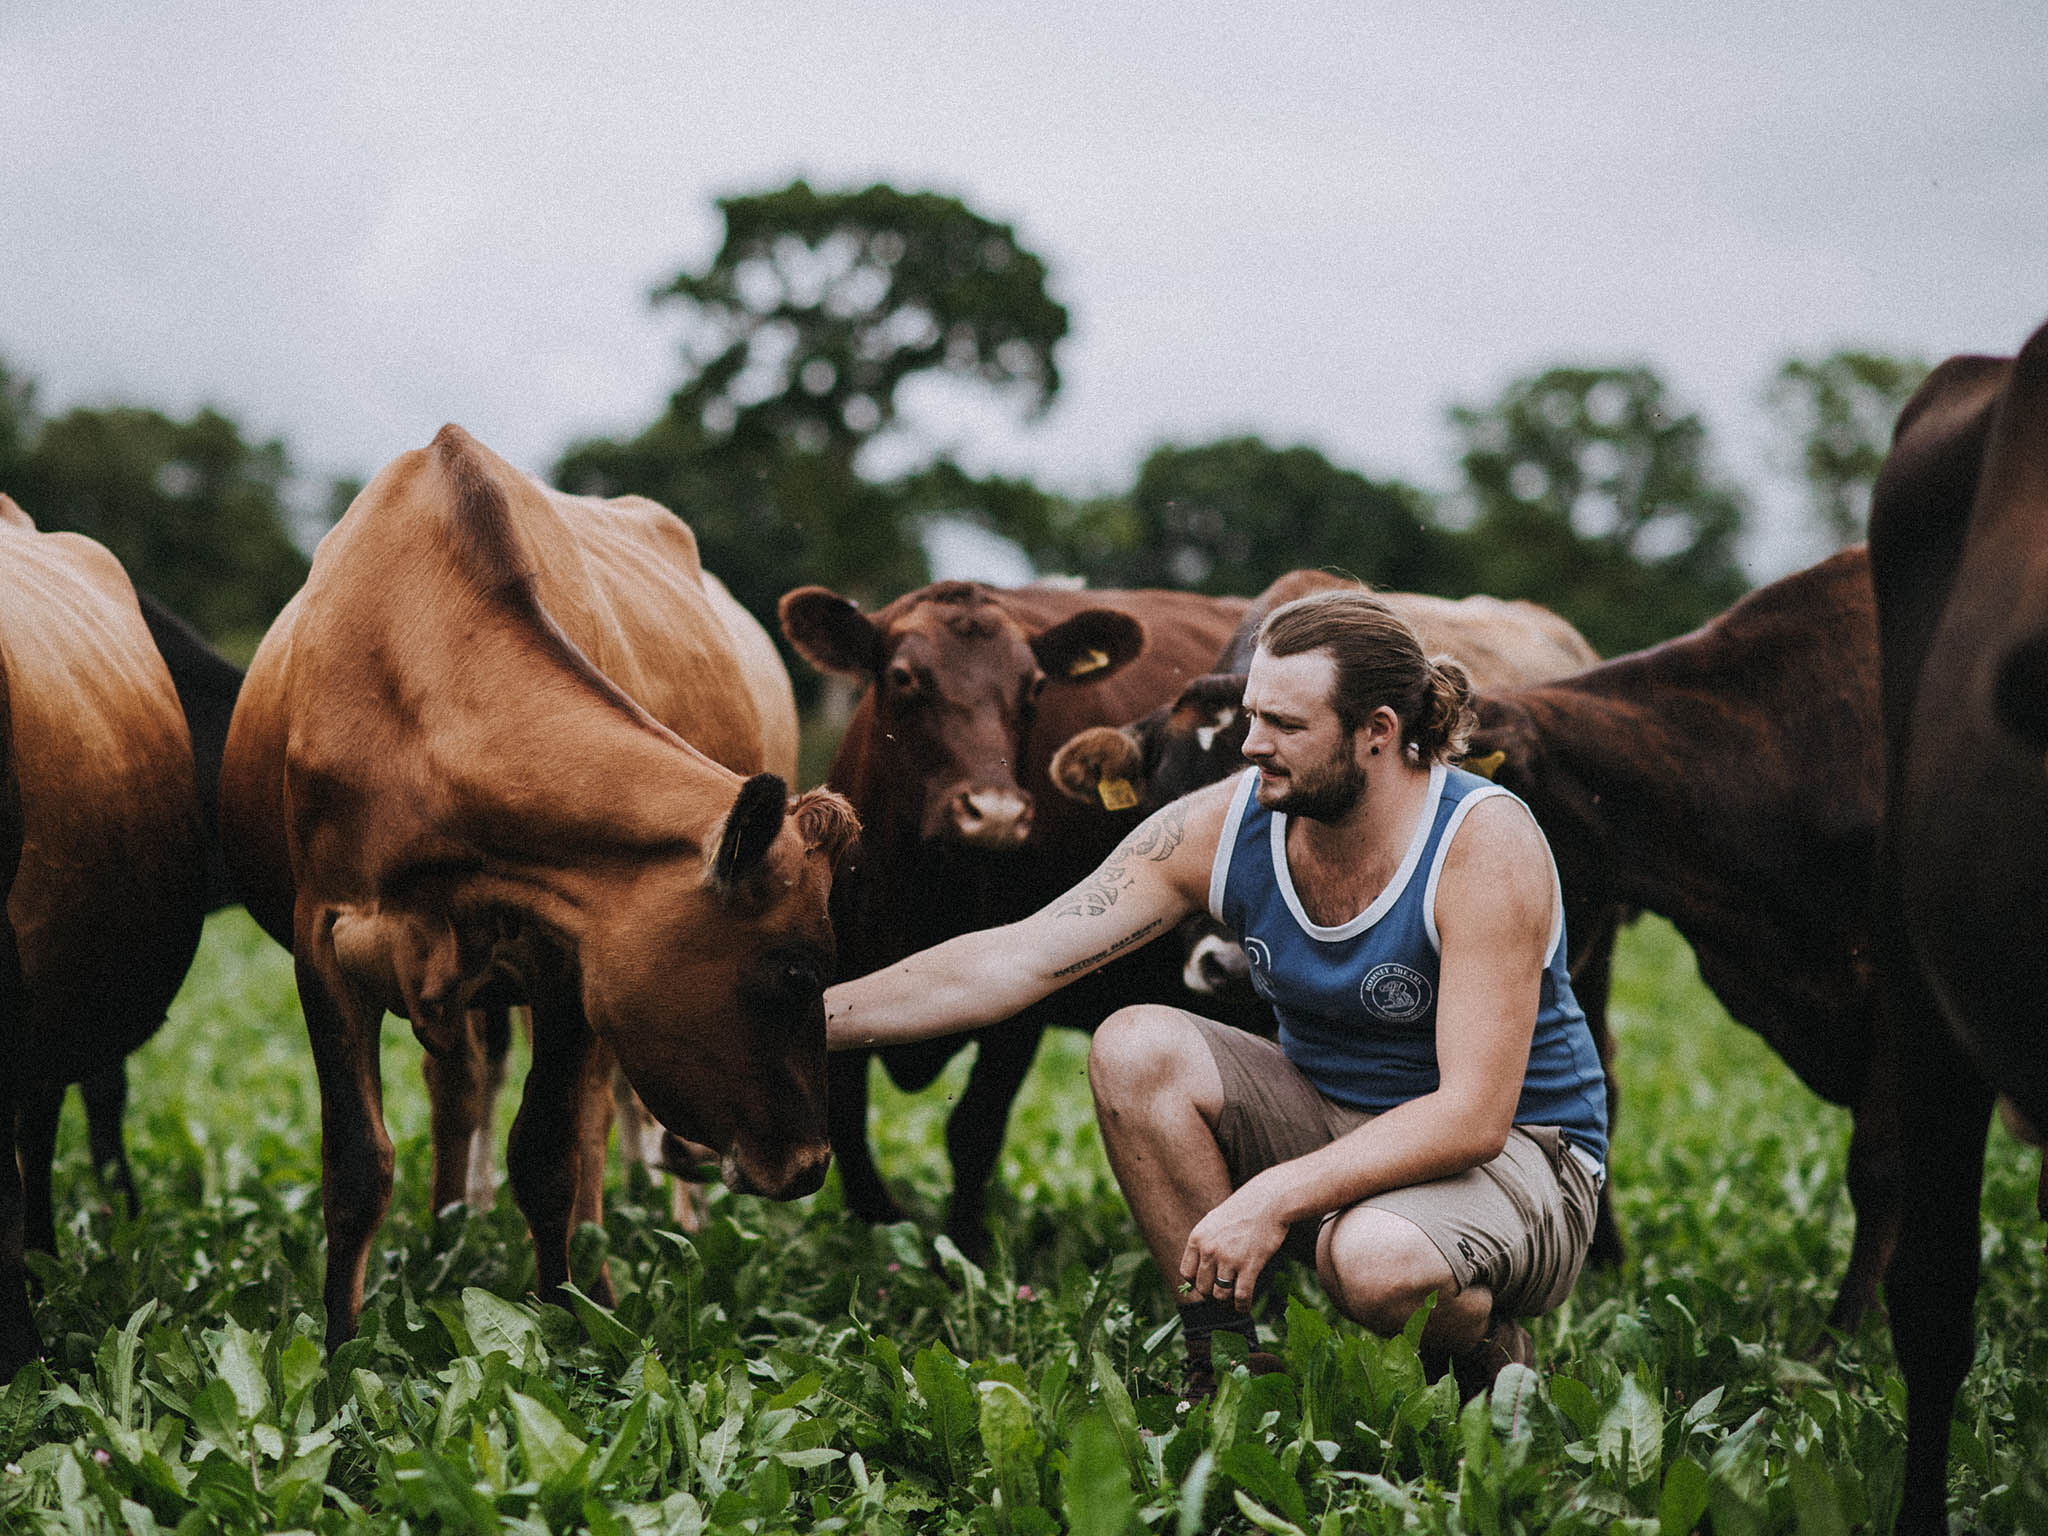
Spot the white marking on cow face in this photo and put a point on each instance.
(1206, 735)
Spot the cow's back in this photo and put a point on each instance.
(618, 580)
(105, 901)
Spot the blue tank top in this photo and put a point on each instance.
(1357, 1002)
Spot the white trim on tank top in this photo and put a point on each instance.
(1380, 904)
(1436, 869)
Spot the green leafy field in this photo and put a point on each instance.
(791, 1370)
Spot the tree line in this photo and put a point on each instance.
(1589, 488)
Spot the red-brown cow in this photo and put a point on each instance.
(480, 758)
(971, 691)
(1959, 553)
(1732, 780)
(100, 850)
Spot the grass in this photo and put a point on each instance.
(789, 1369)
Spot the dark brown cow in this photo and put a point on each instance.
(479, 759)
(1731, 780)
(1198, 739)
(100, 850)
(971, 691)
(1959, 553)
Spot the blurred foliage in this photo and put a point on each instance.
(1592, 494)
(1839, 411)
(799, 335)
(1230, 516)
(196, 513)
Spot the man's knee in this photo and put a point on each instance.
(1380, 1267)
(1139, 1048)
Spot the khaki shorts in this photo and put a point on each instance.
(1518, 1225)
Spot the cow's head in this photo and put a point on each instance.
(1193, 742)
(956, 679)
(705, 973)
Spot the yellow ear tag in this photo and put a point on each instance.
(1486, 767)
(1094, 661)
(1117, 794)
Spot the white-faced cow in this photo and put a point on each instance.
(482, 758)
(971, 690)
(1959, 554)
(100, 854)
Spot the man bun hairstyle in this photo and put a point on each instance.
(1379, 661)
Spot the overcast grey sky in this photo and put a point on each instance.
(1324, 223)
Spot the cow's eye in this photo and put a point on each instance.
(902, 679)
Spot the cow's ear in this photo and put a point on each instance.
(1090, 646)
(1100, 766)
(827, 822)
(750, 828)
(830, 632)
(1503, 743)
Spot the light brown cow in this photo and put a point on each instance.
(100, 851)
(495, 752)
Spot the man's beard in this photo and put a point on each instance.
(1328, 792)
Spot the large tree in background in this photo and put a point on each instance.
(1229, 516)
(195, 513)
(798, 338)
(1839, 411)
(1592, 493)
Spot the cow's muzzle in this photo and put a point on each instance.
(798, 1171)
(983, 816)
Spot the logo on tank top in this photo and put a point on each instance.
(1395, 993)
(1261, 959)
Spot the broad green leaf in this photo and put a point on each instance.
(1194, 1493)
(1516, 1395)
(1123, 1414)
(495, 1323)
(1684, 1498)
(1253, 1468)
(1815, 1497)
(1008, 1435)
(239, 1355)
(551, 1448)
(1264, 1518)
(1097, 1492)
(1632, 1435)
(605, 1330)
(948, 1398)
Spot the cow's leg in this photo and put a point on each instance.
(975, 1129)
(1592, 978)
(105, 1095)
(42, 1104)
(550, 1142)
(355, 1149)
(462, 1081)
(846, 1116)
(1931, 1285)
(1874, 1176)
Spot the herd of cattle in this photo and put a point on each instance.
(510, 747)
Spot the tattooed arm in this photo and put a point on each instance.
(1152, 879)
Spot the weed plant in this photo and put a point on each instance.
(789, 1369)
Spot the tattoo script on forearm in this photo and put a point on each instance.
(1154, 841)
(1136, 936)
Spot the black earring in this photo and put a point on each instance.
(1375, 751)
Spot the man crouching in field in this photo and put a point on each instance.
(1433, 1117)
